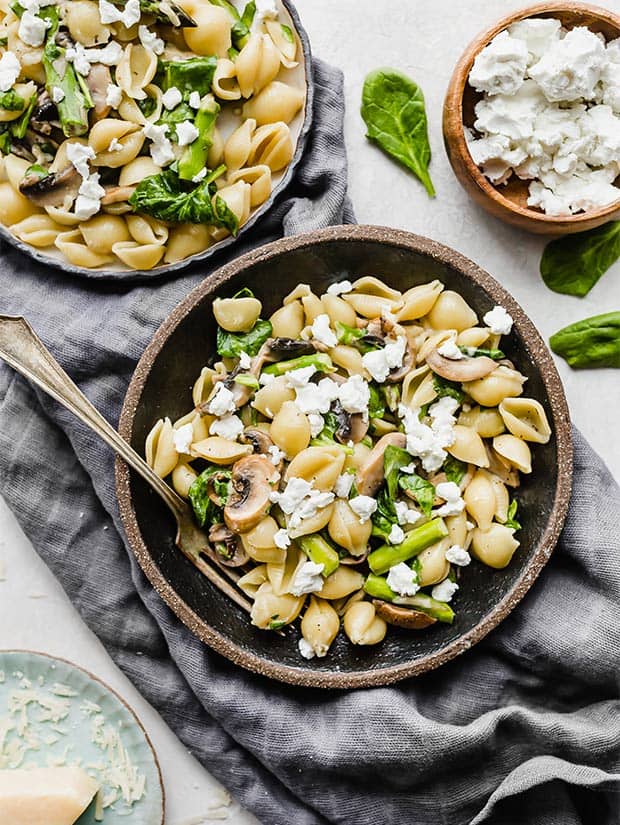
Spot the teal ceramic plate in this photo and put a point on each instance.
(54, 713)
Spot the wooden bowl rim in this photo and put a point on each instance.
(454, 103)
(540, 357)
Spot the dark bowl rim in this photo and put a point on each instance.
(454, 101)
(117, 696)
(542, 360)
(170, 270)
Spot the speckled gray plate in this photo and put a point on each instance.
(161, 386)
(21, 668)
(299, 128)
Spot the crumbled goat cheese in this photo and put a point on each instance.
(10, 68)
(88, 201)
(129, 16)
(115, 145)
(199, 176)
(381, 362)
(32, 29)
(403, 580)
(57, 94)
(450, 350)
(229, 426)
(265, 378)
(343, 485)
(182, 438)
(265, 10)
(500, 67)
(561, 128)
(300, 377)
(161, 148)
(275, 455)
(429, 443)
(194, 100)
(537, 33)
(150, 41)
(451, 494)
(458, 555)
(498, 321)
(397, 534)
(317, 422)
(322, 332)
(354, 395)
(282, 539)
(308, 579)
(317, 398)
(300, 500)
(408, 468)
(363, 507)
(186, 133)
(113, 96)
(82, 58)
(222, 402)
(406, 514)
(444, 591)
(171, 98)
(79, 155)
(340, 288)
(305, 648)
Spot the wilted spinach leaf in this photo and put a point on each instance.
(205, 510)
(232, 344)
(447, 388)
(511, 521)
(421, 490)
(454, 469)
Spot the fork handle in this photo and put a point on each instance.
(23, 350)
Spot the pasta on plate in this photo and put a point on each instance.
(140, 132)
(351, 454)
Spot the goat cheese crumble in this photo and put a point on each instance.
(305, 648)
(182, 438)
(397, 534)
(317, 398)
(275, 455)
(160, 148)
(458, 555)
(194, 100)
(340, 288)
(498, 321)
(129, 16)
(186, 132)
(281, 539)
(444, 591)
(451, 494)
(403, 580)
(405, 514)
(450, 350)
(308, 579)
(10, 68)
(150, 40)
(429, 443)
(32, 28)
(229, 426)
(171, 98)
(354, 395)
(343, 485)
(363, 507)
(222, 401)
(113, 96)
(381, 362)
(300, 500)
(89, 197)
(57, 94)
(299, 378)
(317, 422)
(322, 332)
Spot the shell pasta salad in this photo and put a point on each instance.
(140, 132)
(352, 453)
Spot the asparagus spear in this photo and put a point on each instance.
(378, 587)
(194, 159)
(59, 73)
(321, 361)
(415, 541)
(164, 11)
(320, 552)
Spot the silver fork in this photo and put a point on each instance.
(23, 350)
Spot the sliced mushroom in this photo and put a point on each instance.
(465, 369)
(370, 475)
(261, 443)
(117, 194)
(252, 480)
(403, 616)
(53, 189)
(290, 347)
(98, 80)
(226, 547)
(43, 115)
(353, 561)
(359, 427)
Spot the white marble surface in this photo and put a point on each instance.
(422, 38)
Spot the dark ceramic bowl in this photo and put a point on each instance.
(162, 386)
(300, 130)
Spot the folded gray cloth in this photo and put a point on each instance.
(522, 729)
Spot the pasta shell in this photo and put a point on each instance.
(72, 246)
(220, 450)
(320, 466)
(494, 547)
(419, 300)
(515, 451)
(276, 102)
(526, 418)
(362, 625)
(468, 447)
(269, 608)
(135, 70)
(160, 452)
(320, 625)
(451, 311)
(37, 230)
(139, 256)
(272, 146)
(480, 500)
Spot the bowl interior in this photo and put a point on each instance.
(162, 387)
(516, 190)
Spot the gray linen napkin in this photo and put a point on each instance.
(522, 729)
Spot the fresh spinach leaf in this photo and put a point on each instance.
(393, 459)
(593, 342)
(354, 337)
(573, 264)
(449, 388)
(421, 490)
(376, 405)
(232, 344)
(395, 116)
(511, 521)
(454, 469)
(205, 510)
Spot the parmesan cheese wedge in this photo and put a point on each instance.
(45, 796)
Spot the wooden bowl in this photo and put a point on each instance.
(161, 386)
(509, 202)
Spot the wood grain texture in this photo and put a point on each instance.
(509, 202)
